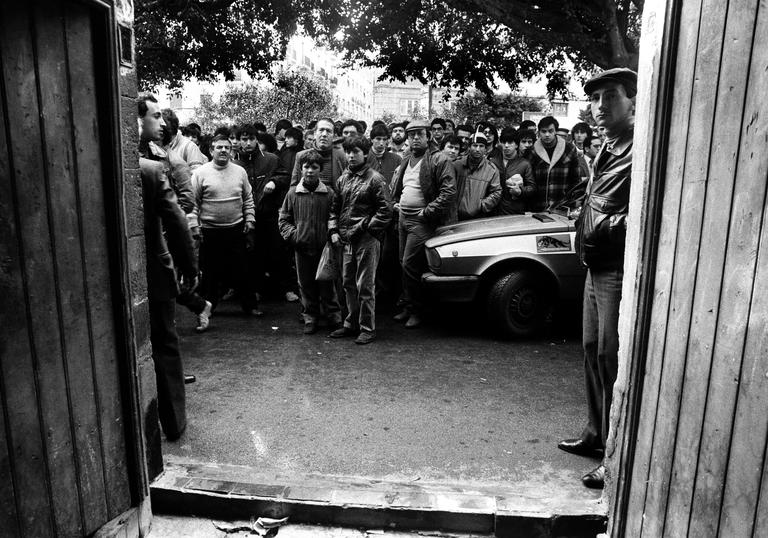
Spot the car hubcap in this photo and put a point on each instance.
(522, 307)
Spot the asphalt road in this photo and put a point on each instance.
(447, 402)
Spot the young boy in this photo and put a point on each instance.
(517, 183)
(303, 224)
(358, 220)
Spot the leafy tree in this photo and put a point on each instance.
(501, 109)
(585, 115)
(445, 43)
(296, 95)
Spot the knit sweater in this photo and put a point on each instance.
(223, 195)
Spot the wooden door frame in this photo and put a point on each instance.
(112, 157)
(656, 80)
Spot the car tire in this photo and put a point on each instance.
(517, 304)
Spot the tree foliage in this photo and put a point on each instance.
(500, 109)
(295, 95)
(445, 43)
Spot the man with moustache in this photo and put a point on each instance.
(397, 143)
(334, 160)
(424, 190)
(478, 189)
(600, 235)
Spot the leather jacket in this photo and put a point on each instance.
(363, 204)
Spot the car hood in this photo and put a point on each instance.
(530, 223)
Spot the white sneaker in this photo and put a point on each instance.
(204, 318)
(291, 297)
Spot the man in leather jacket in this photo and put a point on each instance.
(600, 233)
(169, 248)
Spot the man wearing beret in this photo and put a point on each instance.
(600, 234)
(424, 191)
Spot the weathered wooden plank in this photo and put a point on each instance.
(748, 240)
(725, 124)
(33, 201)
(20, 392)
(689, 25)
(689, 225)
(87, 147)
(66, 212)
(761, 514)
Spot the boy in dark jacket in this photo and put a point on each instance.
(359, 217)
(517, 183)
(303, 224)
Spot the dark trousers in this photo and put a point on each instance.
(414, 232)
(389, 282)
(361, 257)
(602, 295)
(223, 261)
(169, 371)
(192, 301)
(317, 297)
(271, 255)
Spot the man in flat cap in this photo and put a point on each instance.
(424, 191)
(600, 233)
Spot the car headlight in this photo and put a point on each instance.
(433, 259)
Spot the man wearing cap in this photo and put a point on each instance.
(600, 233)
(478, 188)
(424, 191)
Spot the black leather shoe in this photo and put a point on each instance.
(343, 332)
(189, 379)
(579, 447)
(595, 478)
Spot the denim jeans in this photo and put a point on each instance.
(361, 257)
(602, 295)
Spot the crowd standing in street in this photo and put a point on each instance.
(337, 215)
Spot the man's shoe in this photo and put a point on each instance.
(189, 379)
(310, 327)
(204, 318)
(291, 297)
(228, 295)
(595, 478)
(343, 332)
(413, 322)
(365, 337)
(255, 312)
(579, 447)
(402, 316)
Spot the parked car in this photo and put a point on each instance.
(518, 267)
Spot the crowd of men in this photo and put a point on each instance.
(337, 215)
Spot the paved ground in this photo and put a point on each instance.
(190, 527)
(447, 403)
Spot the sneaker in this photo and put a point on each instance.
(291, 297)
(228, 295)
(204, 318)
(365, 337)
(343, 332)
(413, 322)
(310, 328)
(402, 316)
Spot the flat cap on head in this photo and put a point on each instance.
(418, 124)
(620, 75)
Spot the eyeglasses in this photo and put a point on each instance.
(420, 134)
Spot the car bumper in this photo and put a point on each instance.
(454, 289)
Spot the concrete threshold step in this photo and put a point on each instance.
(238, 492)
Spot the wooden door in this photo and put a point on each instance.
(693, 461)
(64, 454)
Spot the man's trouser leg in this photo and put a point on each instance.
(169, 371)
(365, 251)
(211, 265)
(192, 300)
(306, 269)
(414, 232)
(602, 296)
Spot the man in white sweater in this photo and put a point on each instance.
(225, 213)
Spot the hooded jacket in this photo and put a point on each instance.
(555, 175)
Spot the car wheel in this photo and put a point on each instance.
(517, 304)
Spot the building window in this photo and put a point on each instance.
(560, 109)
(409, 105)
